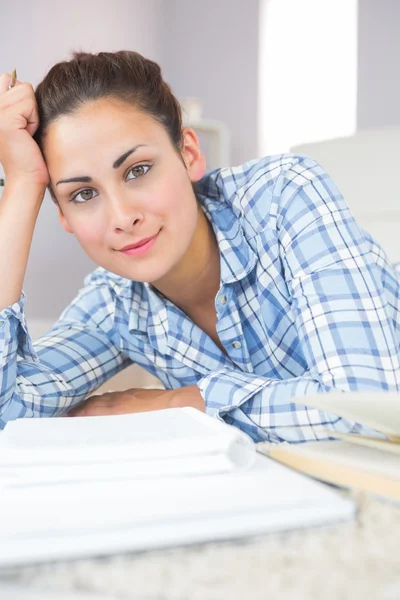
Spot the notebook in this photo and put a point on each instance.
(56, 511)
(367, 463)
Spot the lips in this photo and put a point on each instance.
(138, 244)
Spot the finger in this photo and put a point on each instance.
(21, 90)
(79, 411)
(85, 409)
(4, 82)
(22, 93)
(24, 114)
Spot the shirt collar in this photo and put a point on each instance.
(238, 258)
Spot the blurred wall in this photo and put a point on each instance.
(207, 49)
(211, 51)
(378, 63)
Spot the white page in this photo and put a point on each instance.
(380, 410)
(53, 522)
(121, 470)
(140, 436)
(144, 427)
(370, 442)
(346, 453)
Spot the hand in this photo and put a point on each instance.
(19, 119)
(138, 400)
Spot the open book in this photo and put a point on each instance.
(92, 486)
(371, 464)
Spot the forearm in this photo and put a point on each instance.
(178, 398)
(19, 208)
(138, 400)
(186, 396)
(273, 410)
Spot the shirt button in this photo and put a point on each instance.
(236, 345)
(222, 299)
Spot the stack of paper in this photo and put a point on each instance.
(74, 487)
(153, 444)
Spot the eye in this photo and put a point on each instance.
(86, 195)
(138, 171)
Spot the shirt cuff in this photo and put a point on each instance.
(225, 391)
(15, 313)
(279, 413)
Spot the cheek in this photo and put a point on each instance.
(89, 234)
(176, 203)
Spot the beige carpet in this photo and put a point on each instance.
(357, 560)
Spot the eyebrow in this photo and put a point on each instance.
(116, 165)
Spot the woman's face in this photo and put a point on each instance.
(119, 181)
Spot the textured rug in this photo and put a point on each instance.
(356, 560)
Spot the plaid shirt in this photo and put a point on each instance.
(307, 303)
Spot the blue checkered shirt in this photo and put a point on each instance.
(307, 303)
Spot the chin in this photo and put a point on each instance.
(144, 274)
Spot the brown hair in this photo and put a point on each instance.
(125, 75)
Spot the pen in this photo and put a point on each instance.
(12, 84)
(13, 79)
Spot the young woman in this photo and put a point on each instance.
(243, 289)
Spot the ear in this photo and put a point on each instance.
(63, 220)
(192, 155)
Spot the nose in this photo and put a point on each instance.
(124, 213)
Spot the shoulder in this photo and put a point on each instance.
(235, 183)
(259, 189)
(96, 300)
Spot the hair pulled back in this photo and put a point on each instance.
(124, 75)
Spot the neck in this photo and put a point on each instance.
(194, 282)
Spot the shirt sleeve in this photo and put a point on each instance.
(346, 325)
(70, 361)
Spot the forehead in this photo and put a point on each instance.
(101, 125)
